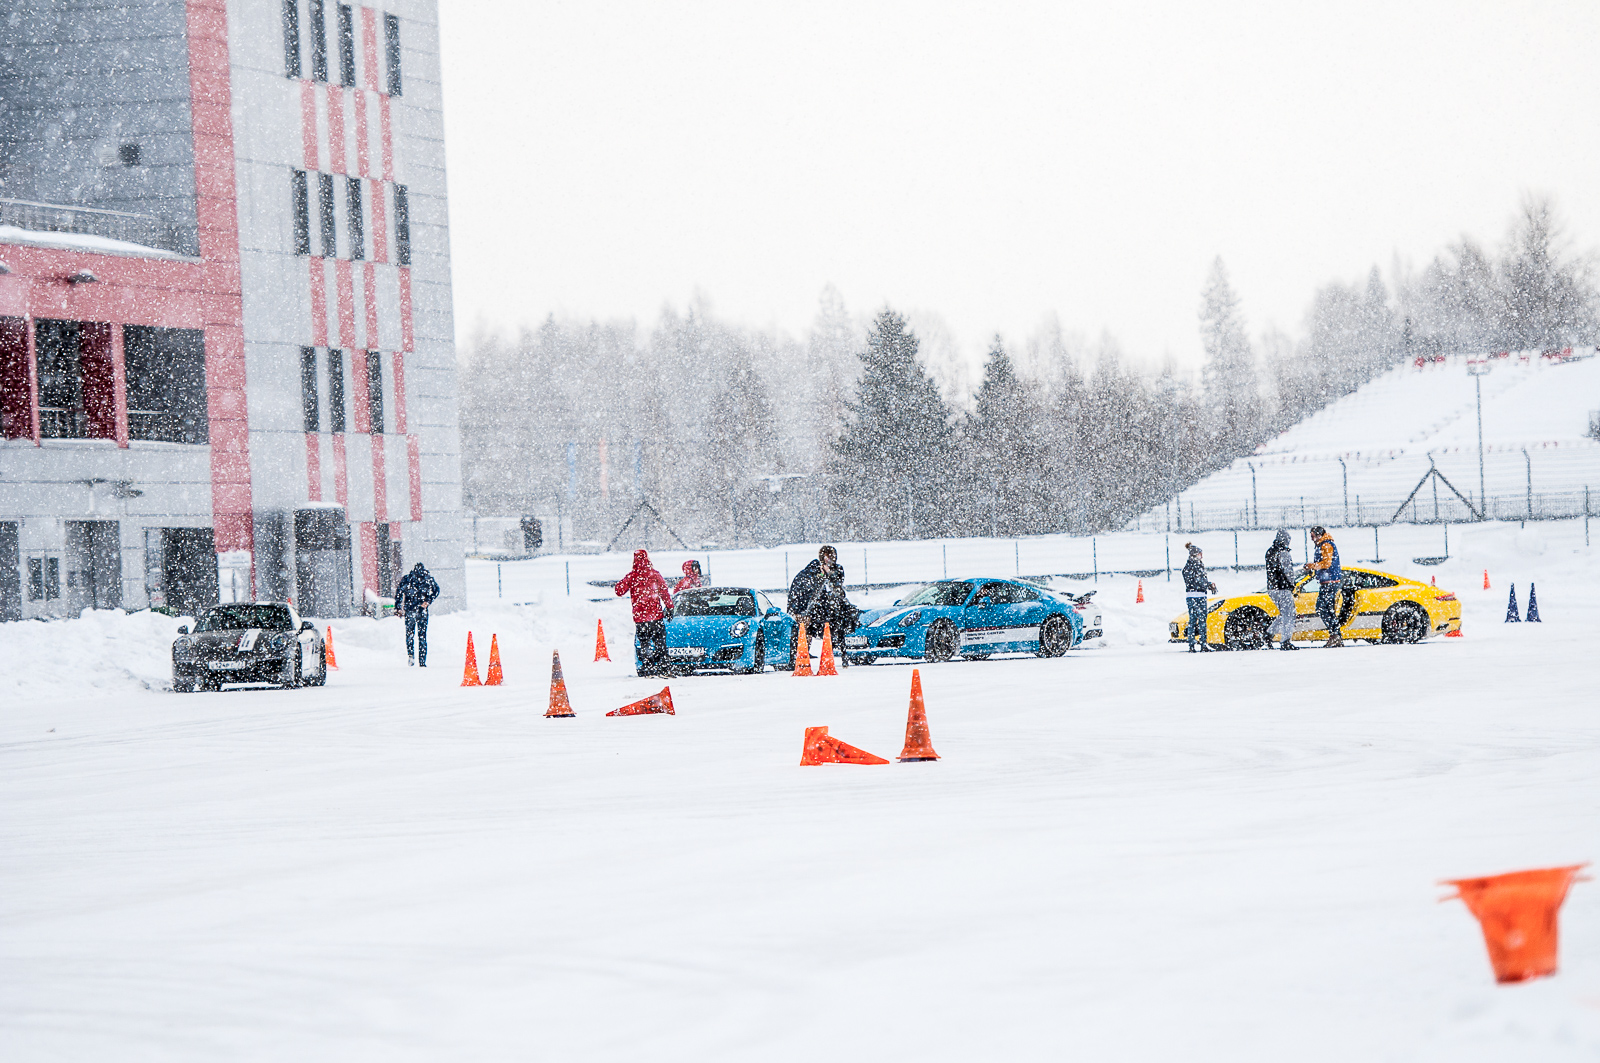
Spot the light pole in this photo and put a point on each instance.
(1343, 468)
(1255, 504)
(1478, 371)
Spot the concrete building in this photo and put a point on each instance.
(227, 366)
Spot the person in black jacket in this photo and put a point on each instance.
(1195, 585)
(416, 592)
(1280, 588)
(817, 596)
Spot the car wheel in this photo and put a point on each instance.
(322, 673)
(941, 642)
(1405, 622)
(1245, 629)
(759, 664)
(868, 659)
(1055, 636)
(296, 675)
(977, 656)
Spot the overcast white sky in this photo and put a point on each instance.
(996, 163)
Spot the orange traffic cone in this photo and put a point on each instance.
(1485, 579)
(1433, 581)
(469, 674)
(820, 748)
(1139, 599)
(1517, 912)
(327, 644)
(802, 652)
(494, 677)
(559, 705)
(919, 745)
(600, 653)
(655, 703)
(825, 660)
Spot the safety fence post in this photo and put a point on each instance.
(569, 579)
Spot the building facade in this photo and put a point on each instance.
(227, 366)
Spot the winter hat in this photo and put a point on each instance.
(1194, 551)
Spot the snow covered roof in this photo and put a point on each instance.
(100, 245)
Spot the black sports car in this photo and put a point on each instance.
(249, 642)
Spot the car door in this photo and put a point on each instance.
(775, 630)
(1021, 616)
(992, 621)
(1305, 606)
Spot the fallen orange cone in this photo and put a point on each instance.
(655, 703)
(469, 672)
(600, 653)
(494, 677)
(327, 649)
(1517, 912)
(825, 658)
(802, 652)
(919, 744)
(560, 706)
(1139, 600)
(820, 748)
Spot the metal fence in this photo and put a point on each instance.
(147, 230)
(1187, 516)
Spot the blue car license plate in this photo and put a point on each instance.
(686, 651)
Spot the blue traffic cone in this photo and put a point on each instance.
(1533, 606)
(1511, 607)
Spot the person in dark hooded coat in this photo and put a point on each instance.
(416, 591)
(1280, 588)
(652, 604)
(817, 596)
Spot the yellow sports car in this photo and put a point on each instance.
(1388, 608)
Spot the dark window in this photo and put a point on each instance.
(375, 390)
(319, 41)
(330, 248)
(245, 617)
(16, 399)
(129, 154)
(385, 554)
(166, 371)
(308, 388)
(57, 345)
(300, 192)
(352, 202)
(391, 51)
(44, 578)
(402, 225)
(347, 45)
(336, 391)
(291, 37)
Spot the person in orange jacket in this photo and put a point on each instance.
(1330, 578)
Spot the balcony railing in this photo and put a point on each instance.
(147, 230)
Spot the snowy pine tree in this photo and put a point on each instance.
(1229, 375)
(1007, 462)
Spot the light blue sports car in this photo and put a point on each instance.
(968, 618)
(734, 629)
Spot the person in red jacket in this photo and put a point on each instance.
(651, 607)
(691, 578)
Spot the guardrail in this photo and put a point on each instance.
(1555, 505)
(147, 230)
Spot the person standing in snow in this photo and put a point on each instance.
(817, 596)
(652, 604)
(1330, 578)
(691, 578)
(1195, 585)
(1280, 588)
(415, 593)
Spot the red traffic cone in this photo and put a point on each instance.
(650, 706)
(327, 645)
(600, 653)
(469, 672)
(919, 744)
(825, 658)
(494, 677)
(1433, 581)
(802, 652)
(560, 706)
(1485, 579)
(1517, 912)
(820, 748)
(1139, 598)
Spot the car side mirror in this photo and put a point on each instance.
(773, 611)
(306, 625)
(183, 629)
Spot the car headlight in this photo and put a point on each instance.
(911, 618)
(740, 630)
(183, 648)
(279, 642)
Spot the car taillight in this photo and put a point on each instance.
(1445, 598)
(1078, 608)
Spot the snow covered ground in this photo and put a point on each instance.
(1127, 853)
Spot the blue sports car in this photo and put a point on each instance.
(968, 618)
(735, 629)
